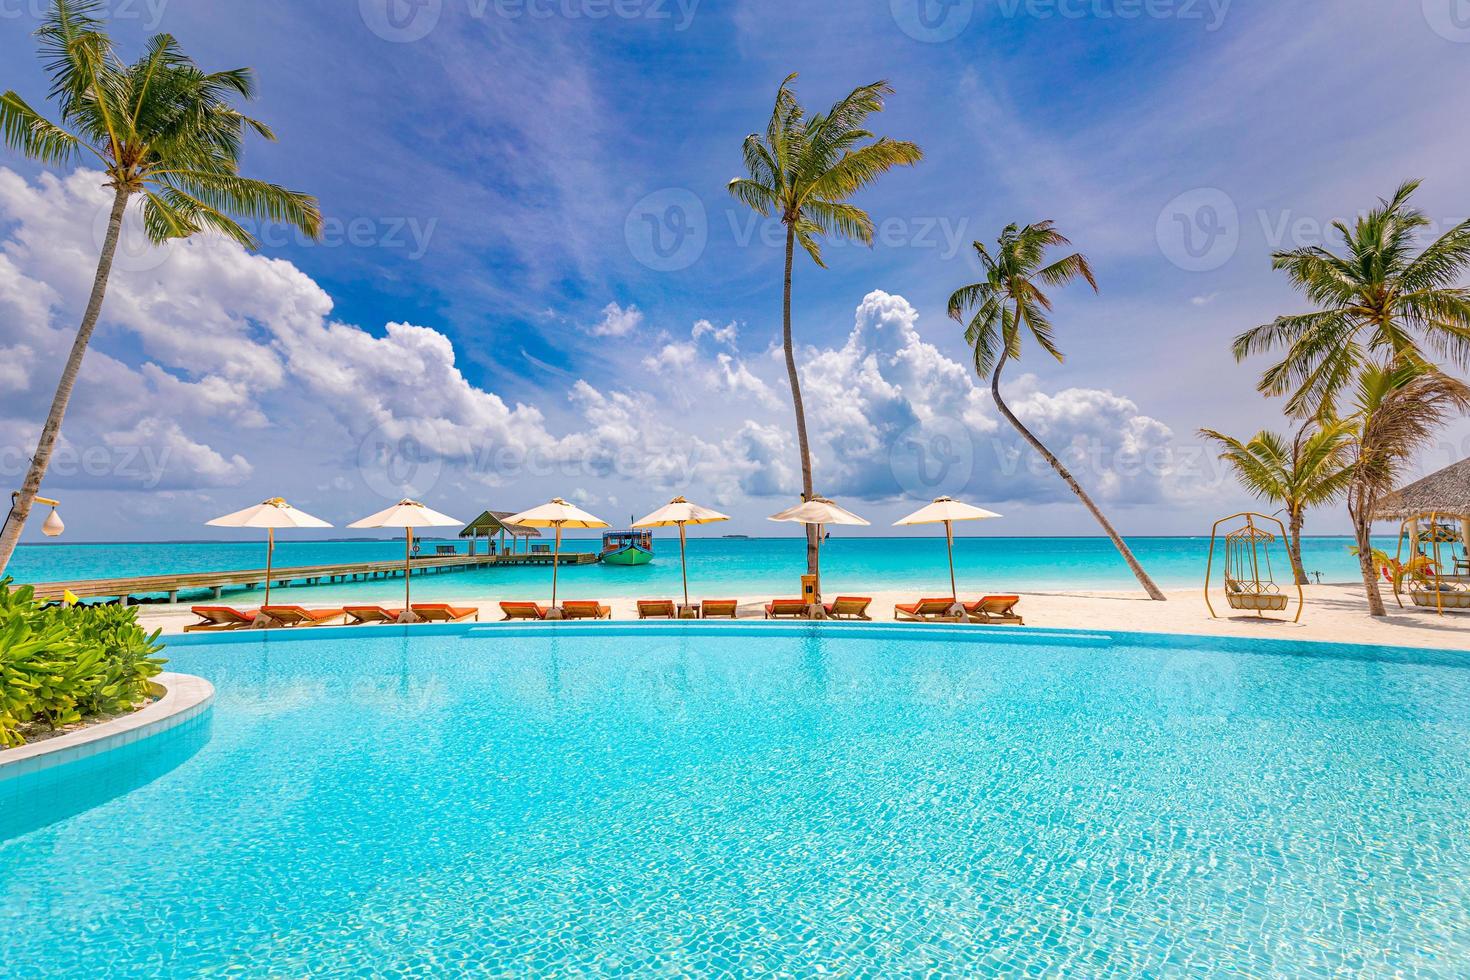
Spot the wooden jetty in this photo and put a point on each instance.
(128, 589)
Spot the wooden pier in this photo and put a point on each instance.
(214, 583)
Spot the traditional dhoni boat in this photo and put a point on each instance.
(627, 547)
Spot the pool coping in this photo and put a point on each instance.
(184, 697)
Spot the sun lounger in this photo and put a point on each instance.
(787, 609)
(995, 609)
(848, 607)
(522, 610)
(580, 609)
(718, 608)
(220, 618)
(442, 612)
(927, 611)
(657, 609)
(301, 616)
(360, 615)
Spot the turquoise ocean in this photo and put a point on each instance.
(717, 565)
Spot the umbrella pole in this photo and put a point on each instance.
(407, 570)
(684, 563)
(270, 551)
(555, 561)
(954, 593)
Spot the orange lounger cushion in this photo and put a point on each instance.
(786, 609)
(522, 610)
(656, 609)
(719, 608)
(995, 609)
(358, 615)
(581, 609)
(220, 618)
(848, 607)
(926, 610)
(443, 612)
(301, 616)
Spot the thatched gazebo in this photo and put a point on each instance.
(1446, 493)
(492, 522)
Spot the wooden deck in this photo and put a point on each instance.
(214, 583)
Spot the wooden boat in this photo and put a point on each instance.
(627, 547)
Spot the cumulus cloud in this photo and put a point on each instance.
(728, 334)
(617, 321)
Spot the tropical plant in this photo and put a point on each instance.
(1308, 471)
(1011, 303)
(61, 665)
(805, 168)
(1378, 301)
(1418, 567)
(1397, 408)
(161, 129)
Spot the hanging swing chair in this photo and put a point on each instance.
(1436, 564)
(1250, 585)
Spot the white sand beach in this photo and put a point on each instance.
(1334, 614)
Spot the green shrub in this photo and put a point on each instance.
(59, 664)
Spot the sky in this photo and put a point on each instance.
(532, 281)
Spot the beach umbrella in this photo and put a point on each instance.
(270, 515)
(680, 512)
(818, 511)
(556, 514)
(407, 514)
(946, 511)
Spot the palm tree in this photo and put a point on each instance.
(1377, 301)
(1397, 410)
(1009, 298)
(161, 129)
(1308, 471)
(805, 168)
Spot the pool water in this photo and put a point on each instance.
(708, 801)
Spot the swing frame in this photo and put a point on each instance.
(1424, 528)
(1255, 537)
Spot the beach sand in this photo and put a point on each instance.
(1334, 614)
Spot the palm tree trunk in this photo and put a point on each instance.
(801, 440)
(1294, 548)
(1066, 475)
(21, 509)
(1363, 532)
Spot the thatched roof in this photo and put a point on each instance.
(1446, 492)
(492, 522)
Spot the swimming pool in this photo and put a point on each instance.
(687, 799)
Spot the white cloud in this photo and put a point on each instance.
(728, 334)
(617, 321)
(1204, 300)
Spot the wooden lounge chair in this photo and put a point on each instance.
(718, 608)
(657, 609)
(927, 611)
(301, 616)
(582, 609)
(787, 609)
(442, 612)
(522, 610)
(360, 615)
(995, 609)
(219, 618)
(848, 607)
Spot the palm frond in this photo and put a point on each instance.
(29, 133)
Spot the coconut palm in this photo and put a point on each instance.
(1009, 304)
(805, 168)
(1397, 408)
(1309, 470)
(1379, 300)
(162, 130)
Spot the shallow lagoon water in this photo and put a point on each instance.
(866, 801)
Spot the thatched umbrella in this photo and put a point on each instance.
(1446, 493)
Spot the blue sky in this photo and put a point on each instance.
(494, 186)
